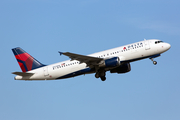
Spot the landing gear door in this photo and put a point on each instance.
(146, 43)
(45, 69)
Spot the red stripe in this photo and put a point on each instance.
(29, 63)
(22, 67)
(23, 56)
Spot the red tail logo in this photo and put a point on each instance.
(26, 61)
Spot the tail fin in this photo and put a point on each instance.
(26, 61)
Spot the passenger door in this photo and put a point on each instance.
(146, 43)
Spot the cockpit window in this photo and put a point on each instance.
(158, 42)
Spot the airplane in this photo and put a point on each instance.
(116, 60)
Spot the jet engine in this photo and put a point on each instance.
(124, 68)
(112, 62)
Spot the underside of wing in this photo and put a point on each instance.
(83, 58)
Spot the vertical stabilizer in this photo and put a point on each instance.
(26, 61)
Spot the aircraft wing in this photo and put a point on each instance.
(90, 61)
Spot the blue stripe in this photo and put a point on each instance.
(24, 64)
(80, 72)
(18, 51)
(36, 64)
(154, 56)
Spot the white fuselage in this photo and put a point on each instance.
(126, 53)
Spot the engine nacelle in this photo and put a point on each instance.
(124, 68)
(112, 62)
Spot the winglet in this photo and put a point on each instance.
(60, 53)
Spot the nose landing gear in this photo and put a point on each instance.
(152, 58)
(154, 62)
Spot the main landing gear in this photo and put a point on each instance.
(154, 62)
(101, 74)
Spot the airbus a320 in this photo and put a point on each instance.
(116, 60)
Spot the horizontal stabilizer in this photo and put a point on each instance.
(23, 74)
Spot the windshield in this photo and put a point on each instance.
(158, 42)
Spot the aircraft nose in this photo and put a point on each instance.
(168, 46)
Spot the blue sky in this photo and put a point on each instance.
(44, 27)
